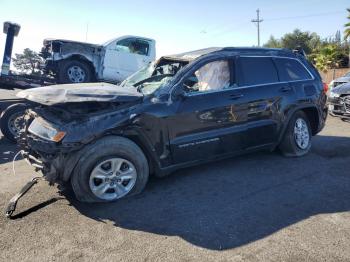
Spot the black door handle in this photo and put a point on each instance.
(235, 96)
(285, 89)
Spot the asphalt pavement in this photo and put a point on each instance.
(257, 207)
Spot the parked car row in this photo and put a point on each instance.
(340, 80)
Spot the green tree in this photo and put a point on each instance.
(28, 61)
(347, 32)
(327, 58)
(273, 43)
(347, 26)
(306, 40)
(337, 37)
(314, 46)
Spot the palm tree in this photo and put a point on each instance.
(347, 26)
(347, 31)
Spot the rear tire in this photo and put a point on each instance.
(73, 71)
(86, 183)
(297, 138)
(10, 120)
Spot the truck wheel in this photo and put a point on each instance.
(72, 71)
(297, 138)
(11, 121)
(110, 169)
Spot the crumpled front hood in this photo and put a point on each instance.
(79, 93)
(48, 41)
(343, 89)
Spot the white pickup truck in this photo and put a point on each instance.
(77, 62)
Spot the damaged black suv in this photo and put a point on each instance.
(179, 111)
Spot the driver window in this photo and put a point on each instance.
(134, 46)
(212, 76)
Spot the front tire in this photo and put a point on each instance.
(11, 120)
(112, 168)
(73, 71)
(297, 138)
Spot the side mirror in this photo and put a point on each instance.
(179, 93)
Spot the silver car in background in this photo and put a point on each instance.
(340, 80)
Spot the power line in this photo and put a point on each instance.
(257, 21)
(239, 25)
(304, 16)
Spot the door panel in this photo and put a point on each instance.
(205, 126)
(263, 97)
(119, 62)
(119, 65)
(260, 109)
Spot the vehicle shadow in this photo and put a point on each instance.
(230, 203)
(36, 208)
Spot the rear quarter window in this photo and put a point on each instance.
(291, 70)
(256, 71)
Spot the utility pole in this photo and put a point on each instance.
(257, 21)
(87, 31)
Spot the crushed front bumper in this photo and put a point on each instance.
(11, 206)
(339, 106)
(47, 157)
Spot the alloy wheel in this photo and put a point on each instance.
(301, 133)
(112, 179)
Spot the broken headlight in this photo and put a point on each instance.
(46, 132)
(333, 95)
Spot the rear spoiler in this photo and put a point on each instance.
(300, 51)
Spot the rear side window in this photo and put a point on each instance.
(291, 70)
(256, 70)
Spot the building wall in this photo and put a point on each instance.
(333, 73)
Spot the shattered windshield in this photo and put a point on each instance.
(154, 76)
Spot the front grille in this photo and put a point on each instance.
(347, 104)
(334, 100)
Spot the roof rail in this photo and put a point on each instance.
(299, 50)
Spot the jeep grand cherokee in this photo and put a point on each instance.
(182, 110)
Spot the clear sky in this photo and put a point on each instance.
(176, 25)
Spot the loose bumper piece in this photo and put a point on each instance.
(11, 207)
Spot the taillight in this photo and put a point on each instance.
(325, 87)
